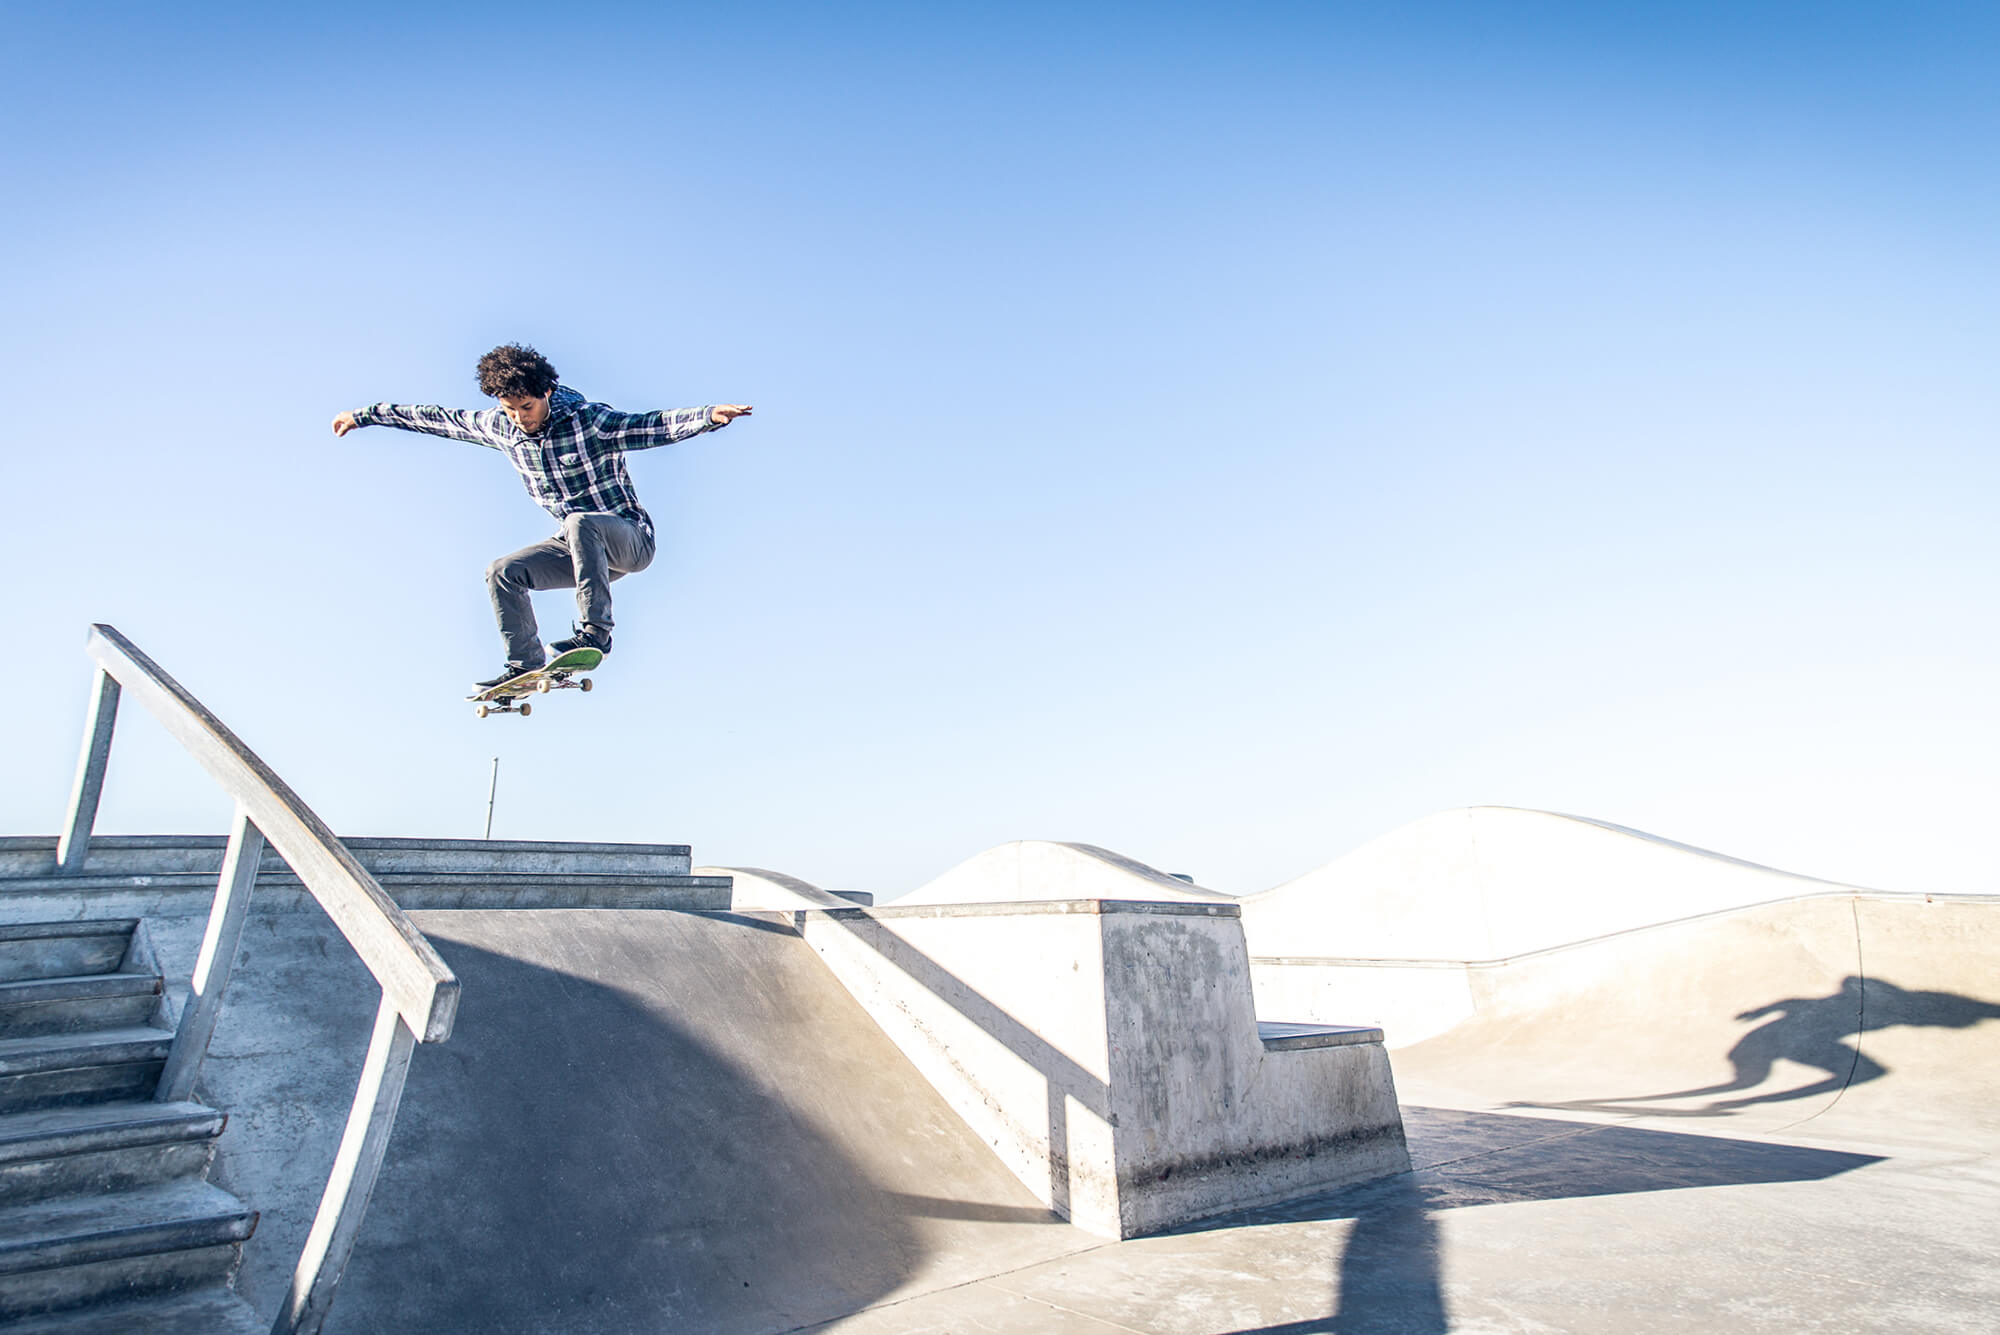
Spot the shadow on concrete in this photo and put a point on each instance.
(715, 1143)
(585, 1165)
(1809, 1031)
(1390, 1279)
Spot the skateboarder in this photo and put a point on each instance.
(570, 454)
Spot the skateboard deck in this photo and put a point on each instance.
(558, 674)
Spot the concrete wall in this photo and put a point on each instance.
(1109, 1052)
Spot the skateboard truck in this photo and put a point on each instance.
(558, 675)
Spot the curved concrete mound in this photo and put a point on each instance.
(756, 890)
(1040, 869)
(1392, 933)
(1481, 883)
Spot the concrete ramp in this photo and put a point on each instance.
(644, 1122)
(1873, 1019)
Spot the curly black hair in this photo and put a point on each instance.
(515, 370)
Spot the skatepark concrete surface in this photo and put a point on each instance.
(1775, 1118)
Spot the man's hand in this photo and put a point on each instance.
(722, 414)
(344, 424)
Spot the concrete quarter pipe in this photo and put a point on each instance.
(645, 1122)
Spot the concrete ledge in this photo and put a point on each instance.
(63, 898)
(173, 875)
(1109, 1052)
(1280, 1036)
(35, 855)
(1033, 907)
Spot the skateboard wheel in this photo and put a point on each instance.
(583, 685)
(543, 686)
(482, 711)
(526, 709)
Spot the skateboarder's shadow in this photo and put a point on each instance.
(1809, 1031)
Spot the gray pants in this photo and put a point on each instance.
(591, 551)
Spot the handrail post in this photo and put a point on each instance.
(352, 1181)
(74, 845)
(217, 958)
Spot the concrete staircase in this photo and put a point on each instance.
(107, 1220)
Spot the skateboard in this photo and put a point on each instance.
(558, 674)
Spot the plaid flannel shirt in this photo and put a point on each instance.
(575, 463)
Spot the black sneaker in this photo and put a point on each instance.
(586, 637)
(508, 673)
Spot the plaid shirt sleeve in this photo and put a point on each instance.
(643, 431)
(456, 423)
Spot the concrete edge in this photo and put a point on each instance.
(1016, 908)
(1500, 962)
(31, 843)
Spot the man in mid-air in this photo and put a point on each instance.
(570, 454)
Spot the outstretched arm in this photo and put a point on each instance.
(642, 431)
(455, 423)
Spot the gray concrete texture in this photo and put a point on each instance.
(643, 1121)
(652, 1122)
(1109, 1052)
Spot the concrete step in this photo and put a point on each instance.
(33, 1006)
(63, 949)
(1286, 1036)
(58, 1070)
(77, 1250)
(103, 1148)
(213, 1310)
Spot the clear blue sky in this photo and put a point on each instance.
(1217, 432)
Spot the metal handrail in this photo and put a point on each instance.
(419, 992)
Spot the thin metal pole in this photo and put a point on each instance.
(492, 789)
(74, 845)
(352, 1181)
(217, 958)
